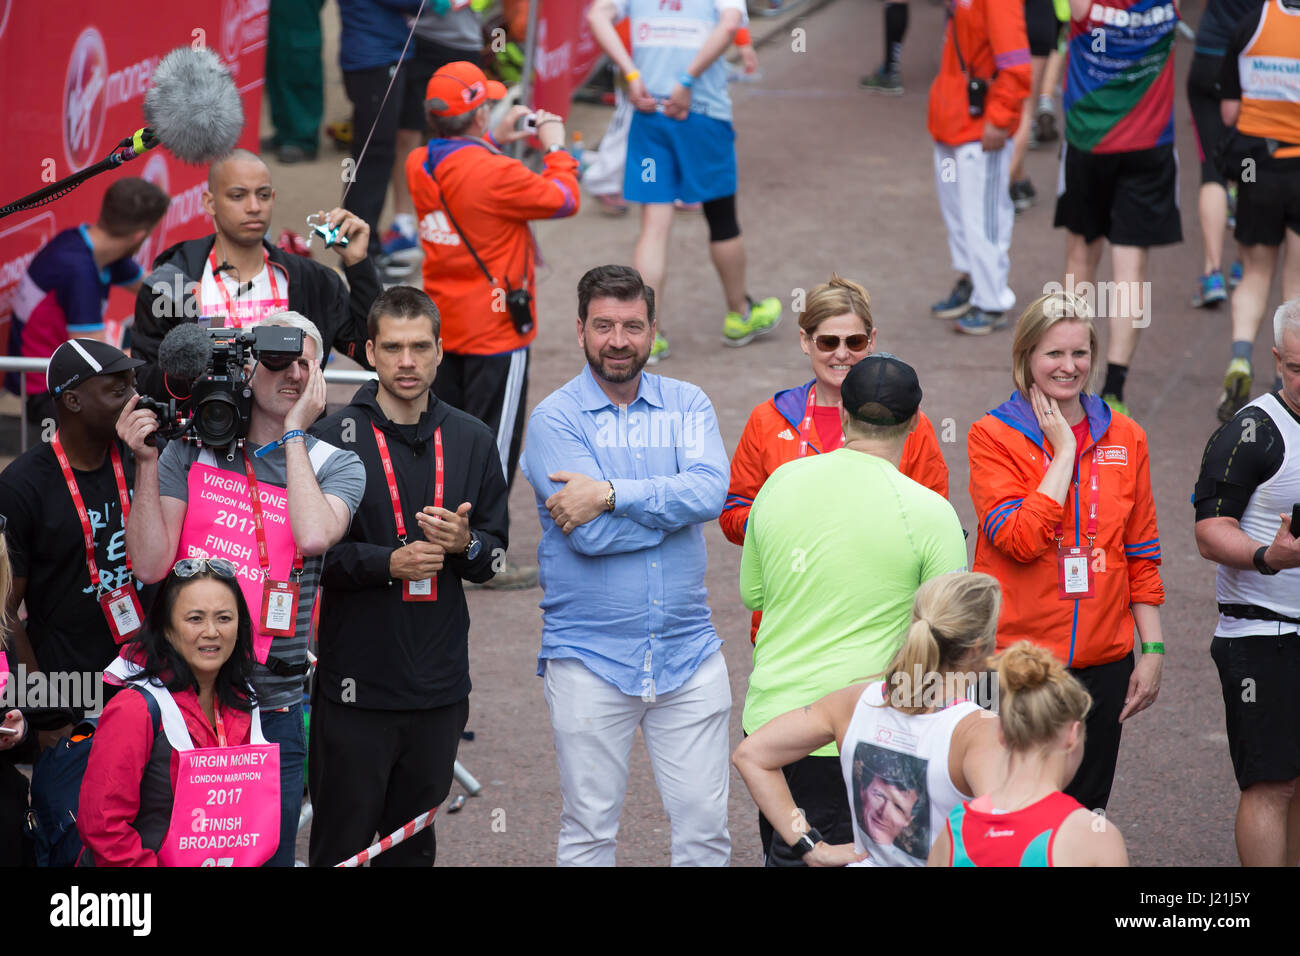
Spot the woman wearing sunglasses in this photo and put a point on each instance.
(179, 773)
(835, 332)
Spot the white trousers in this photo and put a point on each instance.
(976, 203)
(687, 735)
(604, 176)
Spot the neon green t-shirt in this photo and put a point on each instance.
(835, 548)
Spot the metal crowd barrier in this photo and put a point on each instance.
(23, 365)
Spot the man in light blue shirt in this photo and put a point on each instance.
(627, 468)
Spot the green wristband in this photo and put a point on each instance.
(1153, 647)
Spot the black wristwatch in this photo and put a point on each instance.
(806, 842)
(1261, 565)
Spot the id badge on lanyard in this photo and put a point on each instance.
(1074, 574)
(121, 605)
(279, 613)
(425, 589)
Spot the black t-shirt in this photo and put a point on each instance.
(64, 620)
(1239, 457)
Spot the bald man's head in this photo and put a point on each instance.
(239, 198)
(235, 155)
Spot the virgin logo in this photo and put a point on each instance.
(83, 98)
(232, 29)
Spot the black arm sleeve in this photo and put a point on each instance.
(1230, 77)
(490, 516)
(147, 330)
(350, 311)
(1239, 457)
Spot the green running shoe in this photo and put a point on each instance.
(659, 350)
(1236, 388)
(1116, 405)
(764, 316)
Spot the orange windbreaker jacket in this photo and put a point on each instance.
(994, 45)
(1017, 530)
(772, 437)
(492, 198)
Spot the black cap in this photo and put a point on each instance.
(77, 360)
(881, 390)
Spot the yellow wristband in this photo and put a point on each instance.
(635, 74)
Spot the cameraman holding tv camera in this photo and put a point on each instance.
(242, 480)
(473, 204)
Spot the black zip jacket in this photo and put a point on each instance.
(339, 310)
(376, 650)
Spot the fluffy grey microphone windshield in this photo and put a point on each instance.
(193, 105)
(184, 353)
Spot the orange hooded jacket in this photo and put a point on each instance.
(1017, 525)
(492, 198)
(993, 43)
(772, 437)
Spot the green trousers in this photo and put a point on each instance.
(294, 80)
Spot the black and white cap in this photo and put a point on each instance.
(77, 360)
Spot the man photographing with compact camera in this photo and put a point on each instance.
(272, 507)
(473, 204)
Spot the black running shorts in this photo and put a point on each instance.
(1260, 677)
(1270, 205)
(1041, 26)
(1129, 198)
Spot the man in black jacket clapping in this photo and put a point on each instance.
(392, 684)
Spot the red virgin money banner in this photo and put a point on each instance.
(565, 56)
(73, 76)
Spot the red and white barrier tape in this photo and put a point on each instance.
(390, 841)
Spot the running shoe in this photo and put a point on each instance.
(1116, 405)
(882, 81)
(659, 350)
(978, 322)
(958, 302)
(764, 316)
(1236, 388)
(399, 245)
(1234, 275)
(1210, 290)
(1023, 195)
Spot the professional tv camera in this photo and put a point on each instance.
(220, 398)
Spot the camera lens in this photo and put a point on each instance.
(215, 421)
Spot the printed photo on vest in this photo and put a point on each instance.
(891, 804)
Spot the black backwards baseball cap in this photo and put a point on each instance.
(77, 360)
(881, 390)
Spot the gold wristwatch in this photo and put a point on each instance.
(609, 498)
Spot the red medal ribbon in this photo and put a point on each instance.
(231, 316)
(263, 554)
(119, 478)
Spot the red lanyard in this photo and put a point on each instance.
(221, 725)
(391, 477)
(1094, 494)
(119, 477)
(231, 316)
(263, 554)
(807, 427)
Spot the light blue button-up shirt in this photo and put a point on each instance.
(624, 593)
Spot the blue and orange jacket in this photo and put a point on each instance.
(772, 437)
(1017, 524)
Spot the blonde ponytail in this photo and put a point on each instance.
(954, 620)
